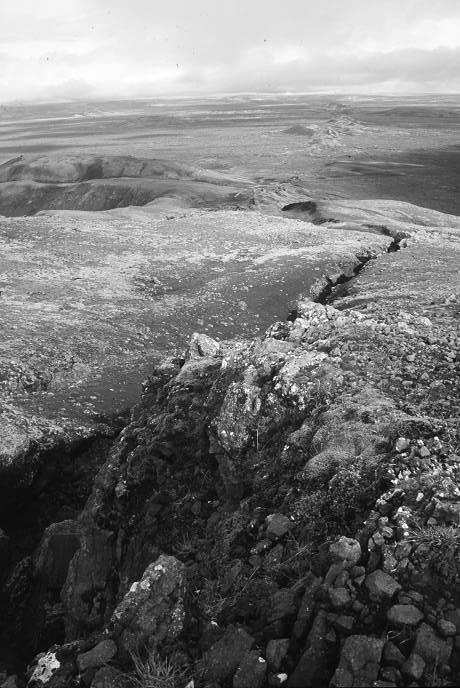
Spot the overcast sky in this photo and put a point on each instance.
(104, 48)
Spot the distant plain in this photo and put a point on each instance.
(397, 148)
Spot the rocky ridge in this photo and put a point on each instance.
(278, 511)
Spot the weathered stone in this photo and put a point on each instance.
(86, 580)
(315, 666)
(413, 667)
(282, 605)
(392, 655)
(431, 647)
(277, 526)
(446, 628)
(201, 345)
(404, 615)
(11, 682)
(101, 654)
(307, 608)
(251, 672)
(153, 610)
(359, 662)
(225, 656)
(276, 651)
(453, 615)
(346, 550)
(381, 585)
(340, 598)
(109, 677)
(344, 623)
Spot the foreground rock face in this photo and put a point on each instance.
(301, 491)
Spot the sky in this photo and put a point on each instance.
(64, 49)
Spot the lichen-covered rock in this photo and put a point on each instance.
(278, 525)
(55, 668)
(201, 346)
(152, 612)
(47, 665)
(345, 550)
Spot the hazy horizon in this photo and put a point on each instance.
(108, 49)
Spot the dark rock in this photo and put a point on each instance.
(359, 662)
(381, 585)
(307, 608)
(344, 623)
(225, 656)
(340, 598)
(276, 651)
(431, 647)
(413, 667)
(315, 666)
(101, 654)
(4, 552)
(392, 655)
(251, 672)
(109, 677)
(453, 615)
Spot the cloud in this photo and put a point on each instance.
(139, 48)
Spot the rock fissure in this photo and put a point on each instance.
(282, 511)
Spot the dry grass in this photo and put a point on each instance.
(154, 671)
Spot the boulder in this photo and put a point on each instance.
(203, 346)
(99, 655)
(307, 608)
(392, 655)
(276, 651)
(400, 615)
(277, 526)
(381, 585)
(340, 598)
(251, 672)
(359, 662)
(432, 648)
(315, 666)
(109, 677)
(225, 656)
(413, 667)
(345, 550)
(152, 612)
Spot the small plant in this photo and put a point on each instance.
(154, 671)
(436, 537)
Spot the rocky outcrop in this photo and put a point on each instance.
(282, 510)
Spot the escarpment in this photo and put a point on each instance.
(277, 511)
